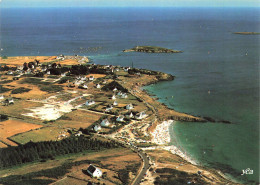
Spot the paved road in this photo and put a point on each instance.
(145, 166)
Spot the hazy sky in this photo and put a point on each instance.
(129, 3)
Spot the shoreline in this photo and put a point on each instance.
(162, 137)
(160, 115)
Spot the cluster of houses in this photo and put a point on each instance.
(119, 118)
(7, 101)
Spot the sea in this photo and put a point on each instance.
(216, 76)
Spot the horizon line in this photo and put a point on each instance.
(129, 7)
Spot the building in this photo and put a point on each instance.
(9, 101)
(129, 106)
(84, 86)
(105, 123)
(109, 108)
(141, 115)
(115, 103)
(120, 118)
(2, 97)
(115, 89)
(130, 115)
(113, 97)
(98, 86)
(91, 78)
(97, 128)
(124, 95)
(90, 102)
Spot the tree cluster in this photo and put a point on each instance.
(49, 149)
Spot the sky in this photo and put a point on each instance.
(129, 3)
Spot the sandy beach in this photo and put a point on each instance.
(161, 136)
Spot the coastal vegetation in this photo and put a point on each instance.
(152, 49)
(49, 149)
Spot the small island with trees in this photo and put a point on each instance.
(151, 49)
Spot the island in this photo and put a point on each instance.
(151, 49)
(247, 33)
(61, 116)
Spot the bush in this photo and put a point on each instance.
(51, 88)
(20, 90)
(4, 57)
(65, 79)
(2, 89)
(3, 117)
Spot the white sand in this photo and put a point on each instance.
(49, 112)
(161, 136)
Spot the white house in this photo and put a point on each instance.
(63, 74)
(97, 128)
(85, 86)
(90, 102)
(105, 123)
(120, 118)
(83, 78)
(9, 101)
(48, 72)
(2, 97)
(113, 97)
(115, 89)
(141, 115)
(130, 115)
(129, 106)
(119, 93)
(78, 134)
(98, 86)
(10, 72)
(115, 103)
(91, 78)
(124, 95)
(94, 171)
(109, 108)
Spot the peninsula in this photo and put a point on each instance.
(151, 49)
(60, 115)
(247, 33)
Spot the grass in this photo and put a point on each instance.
(18, 108)
(34, 81)
(11, 127)
(43, 134)
(78, 119)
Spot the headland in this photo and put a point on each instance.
(69, 114)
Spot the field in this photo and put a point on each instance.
(44, 134)
(77, 119)
(18, 108)
(20, 60)
(11, 127)
(114, 163)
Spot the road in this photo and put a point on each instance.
(145, 166)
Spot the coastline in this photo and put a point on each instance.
(160, 116)
(161, 136)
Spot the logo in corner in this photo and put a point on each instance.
(247, 171)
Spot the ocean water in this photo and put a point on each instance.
(214, 60)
